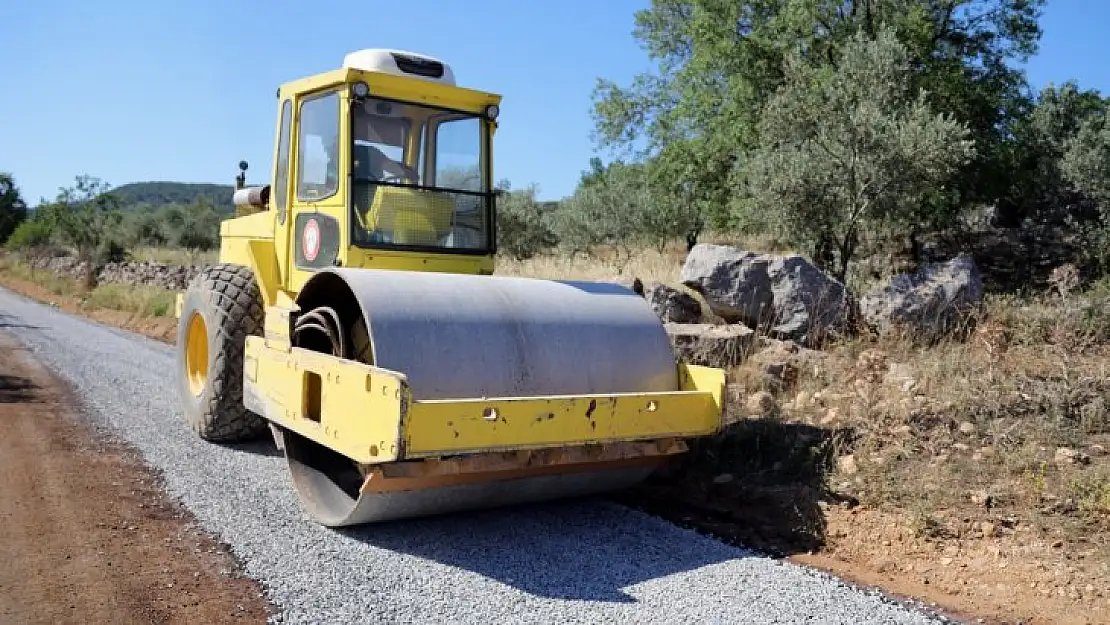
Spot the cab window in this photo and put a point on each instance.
(318, 148)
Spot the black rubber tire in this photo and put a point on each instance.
(228, 298)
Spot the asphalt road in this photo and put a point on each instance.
(586, 561)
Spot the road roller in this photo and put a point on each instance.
(354, 315)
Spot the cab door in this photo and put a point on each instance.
(318, 205)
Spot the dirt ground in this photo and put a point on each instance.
(86, 535)
(1008, 577)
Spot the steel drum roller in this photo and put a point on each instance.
(458, 336)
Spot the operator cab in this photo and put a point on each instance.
(382, 163)
(417, 176)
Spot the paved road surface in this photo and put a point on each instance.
(569, 562)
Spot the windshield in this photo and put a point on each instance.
(418, 177)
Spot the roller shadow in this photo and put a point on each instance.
(263, 446)
(584, 549)
(16, 389)
(760, 483)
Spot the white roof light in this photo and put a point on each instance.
(400, 63)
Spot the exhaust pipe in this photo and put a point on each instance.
(252, 196)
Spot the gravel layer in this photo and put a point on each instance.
(586, 561)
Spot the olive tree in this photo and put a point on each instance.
(86, 216)
(13, 210)
(848, 147)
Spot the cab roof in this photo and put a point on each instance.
(397, 74)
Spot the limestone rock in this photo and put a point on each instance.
(760, 404)
(787, 295)
(710, 345)
(928, 303)
(672, 305)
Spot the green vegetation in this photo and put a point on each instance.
(13, 210)
(142, 301)
(154, 195)
(102, 225)
(840, 129)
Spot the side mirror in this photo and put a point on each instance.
(241, 179)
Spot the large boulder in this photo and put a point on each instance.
(928, 303)
(808, 304)
(673, 305)
(734, 282)
(785, 295)
(710, 345)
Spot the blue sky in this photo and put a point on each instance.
(132, 91)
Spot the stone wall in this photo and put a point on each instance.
(172, 277)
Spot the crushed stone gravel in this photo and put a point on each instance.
(586, 561)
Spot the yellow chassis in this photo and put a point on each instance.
(367, 413)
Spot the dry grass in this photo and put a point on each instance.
(974, 426)
(172, 256)
(649, 265)
(146, 301)
(140, 300)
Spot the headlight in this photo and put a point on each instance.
(492, 111)
(360, 89)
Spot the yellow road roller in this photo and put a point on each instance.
(355, 315)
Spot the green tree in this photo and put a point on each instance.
(86, 216)
(522, 225)
(1086, 161)
(201, 226)
(1085, 165)
(848, 147)
(144, 227)
(719, 62)
(1039, 188)
(616, 206)
(13, 210)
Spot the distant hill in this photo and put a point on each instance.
(155, 194)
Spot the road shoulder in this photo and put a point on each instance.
(89, 535)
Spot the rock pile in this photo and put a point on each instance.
(777, 310)
(154, 274)
(167, 276)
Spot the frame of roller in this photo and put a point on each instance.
(356, 318)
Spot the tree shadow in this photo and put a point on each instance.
(584, 549)
(10, 321)
(16, 389)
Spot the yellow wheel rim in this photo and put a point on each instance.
(196, 353)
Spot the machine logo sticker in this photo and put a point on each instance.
(310, 240)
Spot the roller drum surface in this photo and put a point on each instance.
(330, 504)
(459, 336)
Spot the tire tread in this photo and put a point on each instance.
(234, 304)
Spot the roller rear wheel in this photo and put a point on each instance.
(222, 306)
